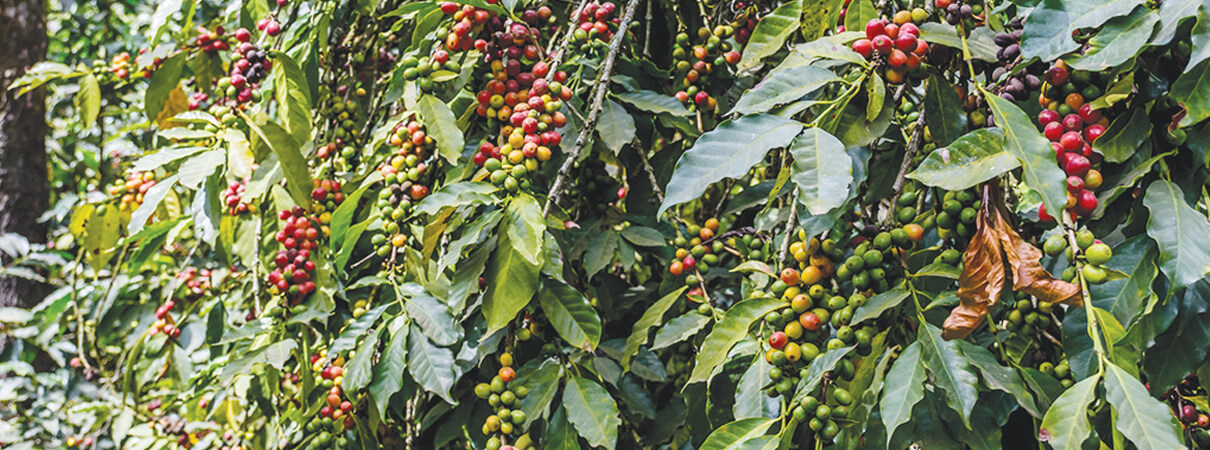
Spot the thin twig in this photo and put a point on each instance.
(655, 184)
(557, 57)
(647, 34)
(595, 110)
(909, 154)
(790, 223)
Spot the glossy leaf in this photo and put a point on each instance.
(652, 102)
(571, 315)
(819, 366)
(950, 369)
(770, 34)
(1192, 89)
(360, 367)
(542, 378)
(727, 332)
(431, 366)
(442, 126)
(1124, 136)
(1125, 298)
(678, 329)
(750, 398)
(1146, 422)
(615, 126)
(1066, 422)
(1119, 40)
(727, 151)
(946, 119)
(593, 412)
(641, 330)
(431, 315)
(389, 371)
(999, 377)
(643, 236)
(879, 304)
(1049, 27)
(1032, 150)
(293, 96)
(975, 157)
(903, 388)
(734, 435)
(783, 86)
(822, 170)
(1180, 232)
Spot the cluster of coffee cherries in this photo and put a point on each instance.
(175, 425)
(1033, 321)
(697, 64)
(197, 282)
(1072, 127)
(907, 214)
(73, 441)
(1093, 253)
(325, 197)
(404, 177)
(164, 323)
(814, 264)
(528, 134)
(130, 191)
(336, 414)
(821, 416)
(432, 74)
(468, 21)
(595, 25)
(250, 66)
(694, 256)
(343, 117)
(897, 43)
(508, 419)
(211, 41)
(956, 219)
(1195, 421)
(269, 25)
(1024, 80)
(233, 198)
(957, 11)
(292, 276)
(594, 188)
(120, 65)
(874, 266)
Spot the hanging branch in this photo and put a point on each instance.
(602, 84)
(557, 57)
(909, 154)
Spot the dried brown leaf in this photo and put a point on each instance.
(982, 279)
(1028, 274)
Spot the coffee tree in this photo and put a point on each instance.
(638, 224)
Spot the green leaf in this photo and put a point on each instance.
(770, 34)
(1146, 422)
(999, 377)
(950, 369)
(615, 126)
(1125, 298)
(639, 333)
(1067, 419)
(875, 98)
(442, 125)
(355, 331)
(431, 315)
(653, 102)
(560, 435)
(903, 388)
(1032, 150)
(593, 412)
(727, 332)
(88, 100)
(727, 151)
(158, 159)
(457, 195)
(1171, 16)
(1126, 182)
(151, 202)
(1192, 89)
(160, 17)
(571, 315)
(512, 281)
(541, 378)
(980, 43)
(1121, 39)
(1125, 134)
(166, 78)
(878, 304)
(643, 236)
(975, 157)
(783, 86)
(822, 170)
(734, 435)
(601, 251)
(360, 368)
(294, 166)
(194, 171)
(946, 119)
(1049, 27)
(525, 227)
(388, 373)
(430, 365)
(1199, 38)
(822, 364)
(750, 398)
(343, 217)
(678, 329)
(857, 13)
(293, 95)
(819, 17)
(1180, 232)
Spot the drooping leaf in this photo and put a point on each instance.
(946, 119)
(783, 86)
(678, 329)
(431, 315)
(734, 435)
(431, 366)
(293, 95)
(641, 330)
(1192, 90)
(857, 13)
(727, 151)
(166, 78)
(1125, 298)
(1180, 232)
(561, 435)
(571, 315)
(356, 330)
(1146, 422)
(1171, 15)
(643, 236)
(441, 124)
(1119, 40)
(88, 99)
(878, 304)
(542, 379)
(975, 157)
(593, 412)
(951, 371)
(999, 377)
(822, 170)
(1124, 135)
(902, 389)
(1049, 27)
(151, 201)
(1066, 422)
(360, 367)
(512, 274)
(727, 332)
(389, 371)
(770, 34)
(615, 126)
(653, 102)
(601, 251)
(266, 132)
(1034, 152)
(750, 398)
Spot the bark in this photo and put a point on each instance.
(24, 187)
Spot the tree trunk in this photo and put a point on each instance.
(24, 190)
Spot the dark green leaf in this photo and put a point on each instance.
(951, 371)
(822, 170)
(783, 86)
(975, 157)
(593, 412)
(1119, 40)
(430, 314)
(615, 126)
(1049, 27)
(1032, 150)
(166, 78)
(678, 329)
(727, 151)
(360, 369)
(441, 124)
(601, 251)
(1192, 89)
(641, 330)
(734, 435)
(571, 315)
(542, 379)
(1180, 232)
(430, 365)
(1067, 419)
(999, 377)
(727, 332)
(1126, 297)
(903, 388)
(770, 34)
(1146, 422)
(388, 373)
(560, 434)
(355, 331)
(878, 304)
(946, 119)
(1124, 135)
(750, 398)
(643, 236)
(858, 13)
(822, 364)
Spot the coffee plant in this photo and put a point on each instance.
(503, 224)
